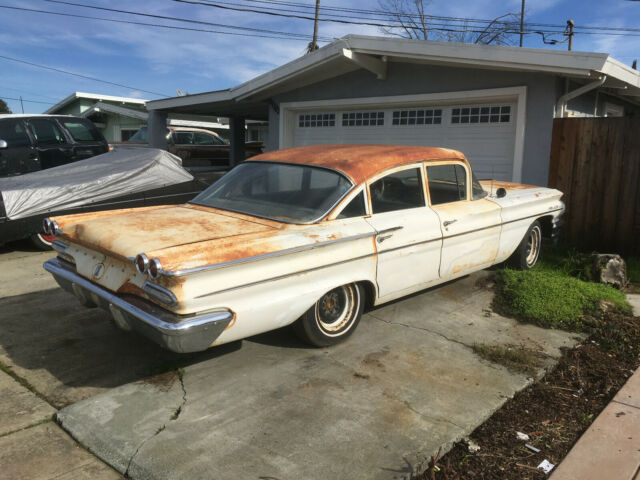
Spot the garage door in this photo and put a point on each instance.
(485, 133)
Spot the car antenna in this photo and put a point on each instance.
(492, 175)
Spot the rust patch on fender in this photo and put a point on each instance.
(496, 184)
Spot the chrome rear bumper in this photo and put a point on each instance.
(178, 333)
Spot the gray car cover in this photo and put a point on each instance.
(123, 171)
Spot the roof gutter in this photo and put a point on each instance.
(562, 101)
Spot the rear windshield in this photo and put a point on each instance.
(81, 131)
(289, 192)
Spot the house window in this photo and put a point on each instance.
(127, 133)
(481, 114)
(317, 120)
(431, 116)
(363, 119)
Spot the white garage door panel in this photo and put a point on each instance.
(488, 146)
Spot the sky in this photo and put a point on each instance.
(164, 60)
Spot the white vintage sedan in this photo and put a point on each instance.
(306, 236)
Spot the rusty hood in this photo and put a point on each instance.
(126, 233)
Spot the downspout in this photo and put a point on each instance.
(562, 101)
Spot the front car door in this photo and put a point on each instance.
(469, 221)
(409, 240)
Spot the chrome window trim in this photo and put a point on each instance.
(310, 222)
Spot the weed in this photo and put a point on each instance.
(516, 358)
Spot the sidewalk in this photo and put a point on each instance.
(610, 448)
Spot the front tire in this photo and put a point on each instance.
(41, 241)
(527, 254)
(333, 317)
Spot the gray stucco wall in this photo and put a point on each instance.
(406, 79)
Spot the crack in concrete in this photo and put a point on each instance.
(176, 414)
(388, 322)
(423, 329)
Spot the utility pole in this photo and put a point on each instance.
(522, 23)
(569, 32)
(21, 104)
(314, 42)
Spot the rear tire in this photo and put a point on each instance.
(333, 317)
(527, 254)
(41, 241)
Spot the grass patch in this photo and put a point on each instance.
(515, 358)
(552, 298)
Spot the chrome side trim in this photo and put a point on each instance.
(59, 246)
(280, 277)
(159, 293)
(214, 266)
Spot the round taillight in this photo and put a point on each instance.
(142, 263)
(154, 268)
(55, 229)
(46, 226)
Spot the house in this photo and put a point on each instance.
(118, 118)
(494, 103)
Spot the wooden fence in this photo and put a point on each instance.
(596, 163)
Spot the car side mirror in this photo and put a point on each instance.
(501, 192)
(3, 144)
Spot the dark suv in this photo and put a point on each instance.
(29, 143)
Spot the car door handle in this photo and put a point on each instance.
(383, 235)
(446, 223)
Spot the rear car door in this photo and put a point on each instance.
(470, 226)
(51, 144)
(408, 240)
(20, 156)
(87, 140)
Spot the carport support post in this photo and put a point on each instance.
(157, 129)
(236, 140)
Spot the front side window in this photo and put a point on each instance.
(477, 192)
(397, 191)
(290, 192)
(355, 207)
(447, 183)
(13, 132)
(82, 132)
(201, 138)
(46, 132)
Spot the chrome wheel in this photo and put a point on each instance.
(532, 250)
(337, 309)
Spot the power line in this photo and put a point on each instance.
(79, 75)
(4, 87)
(25, 100)
(178, 19)
(172, 27)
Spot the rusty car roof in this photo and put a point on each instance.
(359, 162)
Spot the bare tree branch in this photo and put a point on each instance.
(413, 22)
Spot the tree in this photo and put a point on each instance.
(414, 22)
(4, 108)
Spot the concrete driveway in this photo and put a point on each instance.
(376, 406)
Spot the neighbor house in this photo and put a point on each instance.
(118, 118)
(496, 104)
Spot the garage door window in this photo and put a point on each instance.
(431, 116)
(447, 183)
(317, 120)
(363, 119)
(397, 191)
(481, 114)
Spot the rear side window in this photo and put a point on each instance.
(447, 183)
(201, 138)
(82, 132)
(13, 132)
(397, 191)
(46, 132)
(355, 208)
(183, 138)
